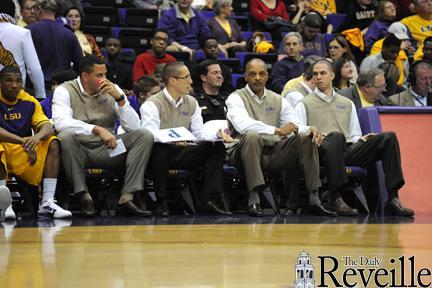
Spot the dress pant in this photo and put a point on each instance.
(384, 147)
(209, 155)
(79, 153)
(255, 154)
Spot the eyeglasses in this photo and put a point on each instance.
(182, 78)
(383, 86)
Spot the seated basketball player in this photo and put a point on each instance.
(28, 148)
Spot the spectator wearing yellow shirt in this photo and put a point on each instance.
(420, 24)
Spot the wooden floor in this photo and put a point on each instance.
(235, 255)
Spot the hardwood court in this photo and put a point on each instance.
(234, 255)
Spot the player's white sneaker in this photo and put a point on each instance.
(9, 213)
(50, 208)
(5, 201)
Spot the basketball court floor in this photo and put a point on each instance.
(204, 251)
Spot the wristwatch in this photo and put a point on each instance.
(120, 99)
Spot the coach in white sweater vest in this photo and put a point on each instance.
(344, 144)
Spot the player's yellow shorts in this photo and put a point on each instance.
(15, 160)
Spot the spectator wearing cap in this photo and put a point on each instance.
(386, 13)
(56, 46)
(390, 51)
(87, 41)
(17, 49)
(27, 11)
(407, 48)
(420, 24)
(361, 13)
(322, 7)
(186, 27)
(313, 41)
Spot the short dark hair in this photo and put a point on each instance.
(171, 70)
(9, 69)
(391, 40)
(61, 76)
(88, 62)
(144, 84)
(203, 66)
(325, 61)
(427, 39)
(159, 30)
(7, 7)
(308, 64)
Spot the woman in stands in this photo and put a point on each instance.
(87, 41)
(343, 73)
(271, 16)
(226, 31)
(338, 47)
(386, 14)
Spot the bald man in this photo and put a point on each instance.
(271, 139)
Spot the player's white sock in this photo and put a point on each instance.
(49, 187)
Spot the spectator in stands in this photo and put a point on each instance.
(186, 27)
(420, 24)
(211, 52)
(171, 108)
(28, 148)
(368, 90)
(119, 65)
(390, 51)
(64, 5)
(391, 74)
(225, 30)
(407, 49)
(145, 87)
(361, 14)
(58, 78)
(427, 49)
(146, 62)
(419, 93)
(386, 13)
(17, 49)
(56, 46)
(404, 8)
(338, 47)
(27, 11)
(87, 41)
(313, 41)
(157, 74)
(321, 7)
(153, 4)
(271, 16)
(344, 144)
(84, 114)
(211, 102)
(289, 67)
(343, 74)
(270, 139)
(305, 86)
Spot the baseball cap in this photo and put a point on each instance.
(312, 19)
(399, 30)
(49, 5)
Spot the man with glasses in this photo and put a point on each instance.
(211, 102)
(171, 108)
(368, 90)
(344, 144)
(146, 62)
(28, 8)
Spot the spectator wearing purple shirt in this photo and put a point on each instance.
(56, 46)
(186, 27)
(386, 13)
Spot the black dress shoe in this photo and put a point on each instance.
(130, 209)
(213, 208)
(343, 209)
(162, 209)
(319, 210)
(394, 207)
(292, 212)
(255, 210)
(87, 208)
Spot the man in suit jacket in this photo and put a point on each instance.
(420, 84)
(367, 91)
